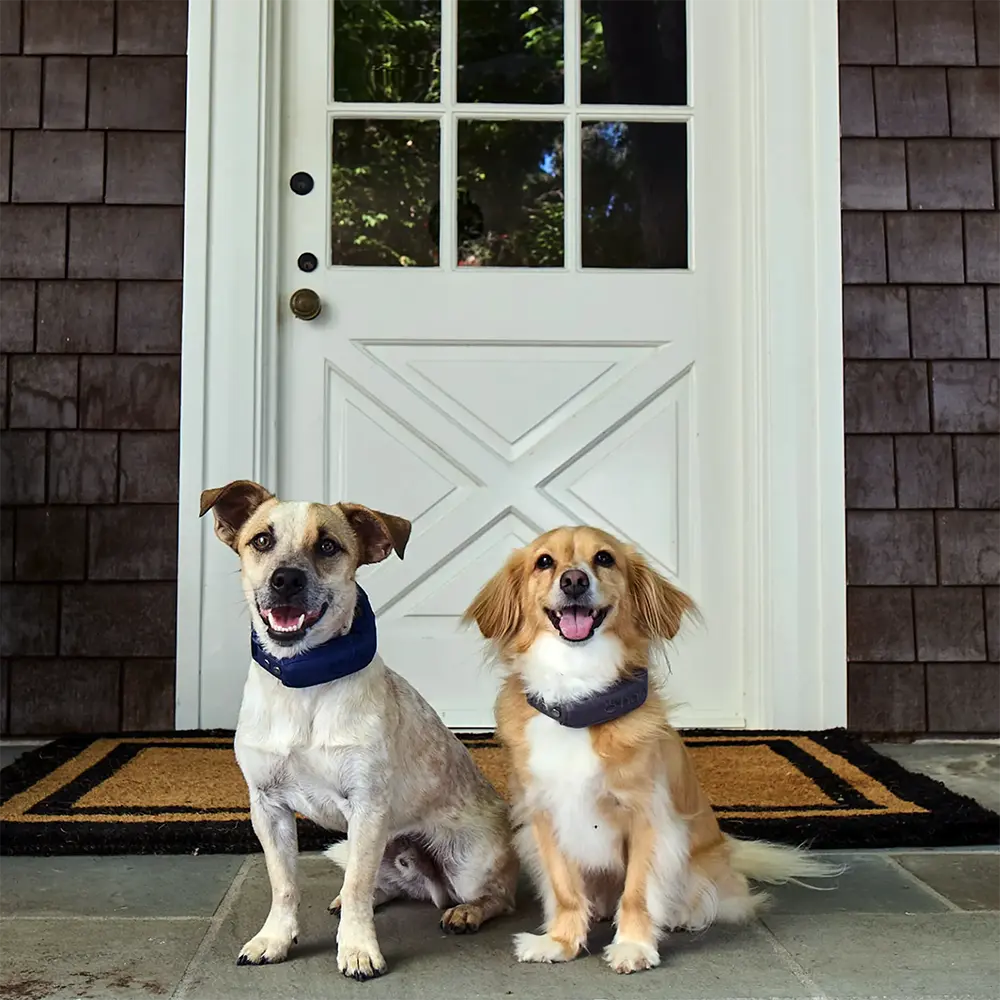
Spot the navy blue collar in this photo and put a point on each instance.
(612, 703)
(337, 657)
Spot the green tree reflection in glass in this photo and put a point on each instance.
(510, 174)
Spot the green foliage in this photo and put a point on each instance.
(510, 177)
(513, 170)
(387, 50)
(384, 182)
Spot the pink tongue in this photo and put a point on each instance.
(576, 624)
(283, 617)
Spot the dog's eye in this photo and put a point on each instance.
(262, 542)
(604, 558)
(327, 547)
(544, 562)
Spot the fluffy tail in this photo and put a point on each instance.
(777, 864)
(337, 853)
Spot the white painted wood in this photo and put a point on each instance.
(606, 415)
(750, 358)
(795, 569)
(227, 364)
(523, 112)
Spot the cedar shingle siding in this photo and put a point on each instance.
(920, 117)
(92, 108)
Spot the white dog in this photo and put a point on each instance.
(328, 731)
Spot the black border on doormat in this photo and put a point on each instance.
(952, 820)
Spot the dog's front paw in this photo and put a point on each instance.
(360, 962)
(542, 948)
(631, 956)
(462, 919)
(265, 949)
(335, 906)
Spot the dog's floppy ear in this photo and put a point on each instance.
(232, 506)
(659, 605)
(378, 533)
(496, 609)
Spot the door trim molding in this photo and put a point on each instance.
(795, 586)
(793, 565)
(229, 343)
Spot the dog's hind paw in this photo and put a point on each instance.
(360, 963)
(265, 950)
(631, 956)
(542, 948)
(462, 919)
(334, 906)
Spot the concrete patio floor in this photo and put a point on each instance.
(906, 925)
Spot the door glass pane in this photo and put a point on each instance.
(510, 51)
(384, 183)
(633, 52)
(510, 194)
(387, 50)
(634, 193)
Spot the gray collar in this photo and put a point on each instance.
(605, 706)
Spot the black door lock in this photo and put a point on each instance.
(301, 182)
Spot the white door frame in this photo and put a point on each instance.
(793, 566)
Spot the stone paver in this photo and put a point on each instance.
(66, 959)
(787, 955)
(969, 881)
(970, 768)
(137, 886)
(9, 752)
(894, 955)
(871, 884)
(425, 963)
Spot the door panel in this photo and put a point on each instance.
(530, 310)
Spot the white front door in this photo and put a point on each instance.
(635, 320)
(521, 235)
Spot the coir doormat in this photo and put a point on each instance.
(181, 793)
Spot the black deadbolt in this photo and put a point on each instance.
(301, 182)
(307, 262)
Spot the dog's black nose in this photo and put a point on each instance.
(287, 581)
(574, 582)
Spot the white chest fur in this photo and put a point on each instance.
(566, 782)
(310, 747)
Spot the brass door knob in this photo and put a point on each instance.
(305, 304)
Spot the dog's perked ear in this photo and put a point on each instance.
(378, 533)
(232, 506)
(496, 609)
